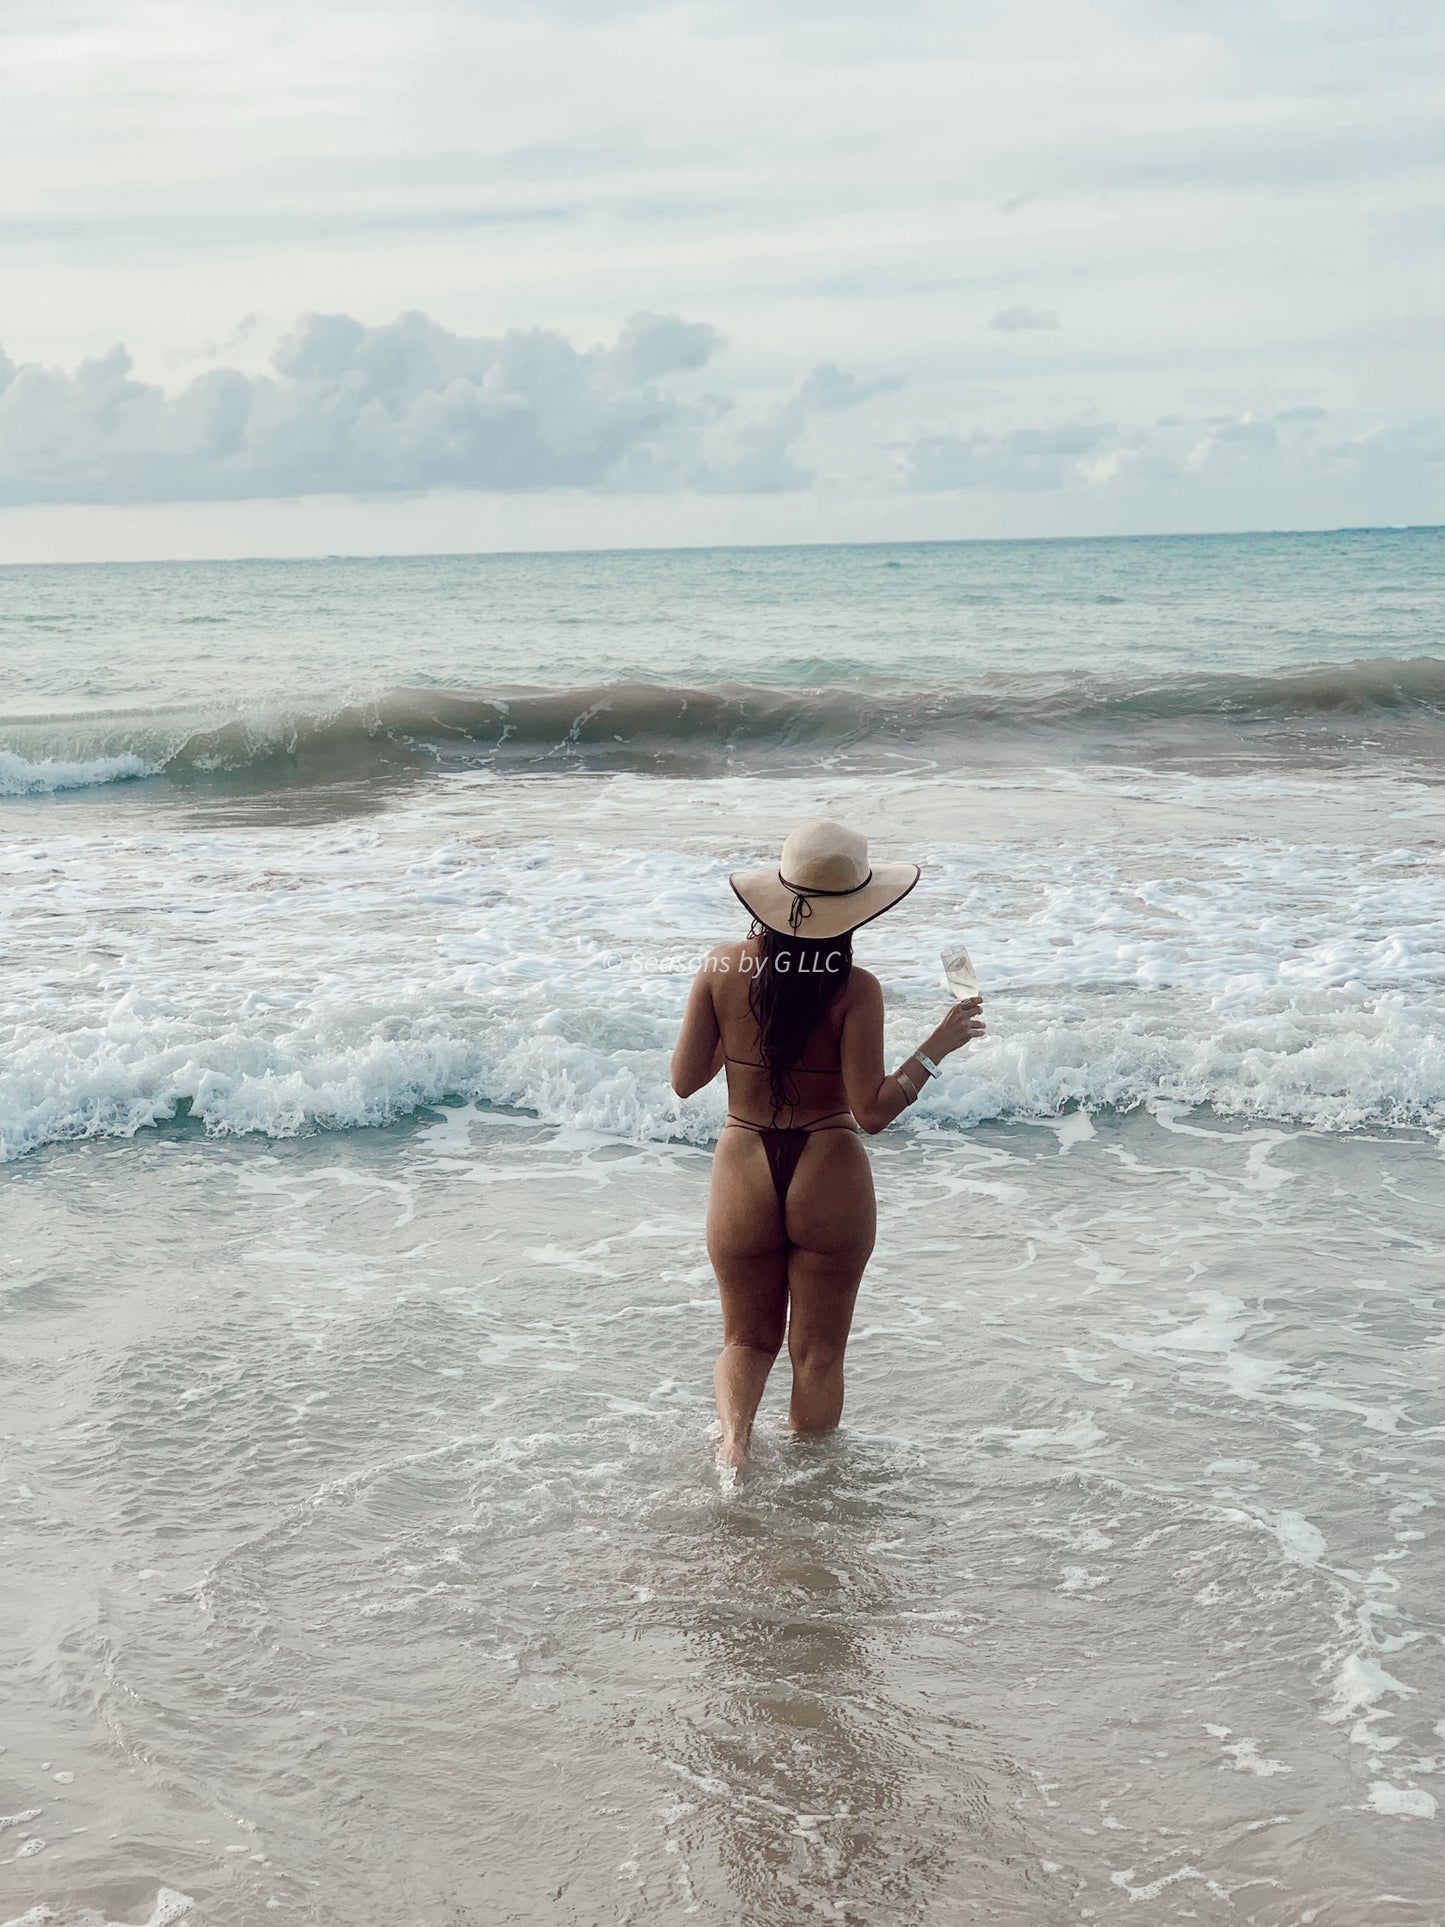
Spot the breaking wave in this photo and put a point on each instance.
(19, 777)
(302, 979)
(1379, 706)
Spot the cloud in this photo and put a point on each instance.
(408, 406)
(1233, 441)
(1288, 452)
(1012, 321)
(653, 345)
(761, 461)
(1407, 448)
(1170, 174)
(1027, 458)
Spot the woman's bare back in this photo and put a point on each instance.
(815, 1083)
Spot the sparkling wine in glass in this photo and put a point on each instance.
(962, 977)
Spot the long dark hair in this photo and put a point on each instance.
(796, 980)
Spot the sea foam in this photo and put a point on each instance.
(20, 777)
(283, 981)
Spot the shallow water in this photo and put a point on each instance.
(364, 1559)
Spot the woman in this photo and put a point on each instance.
(791, 1217)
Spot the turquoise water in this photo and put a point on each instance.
(961, 655)
(242, 632)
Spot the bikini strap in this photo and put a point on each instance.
(808, 1070)
(800, 1130)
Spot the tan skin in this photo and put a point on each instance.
(797, 1276)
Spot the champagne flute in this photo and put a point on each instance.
(958, 970)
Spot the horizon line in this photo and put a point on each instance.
(733, 548)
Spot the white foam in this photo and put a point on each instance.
(1245, 1756)
(1407, 1802)
(1151, 1890)
(279, 981)
(1081, 1436)
(1079, 1579)
(1360, 1683)
(1075, 1127)
(1301, 1543)
(20, 777)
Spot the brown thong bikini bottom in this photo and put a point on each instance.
(785, 1146)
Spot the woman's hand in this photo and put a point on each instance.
(961, 1026)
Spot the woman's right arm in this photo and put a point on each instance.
(876, 1097)
(698, 1055)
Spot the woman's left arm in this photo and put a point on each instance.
(698, 1055)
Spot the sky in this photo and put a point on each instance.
(451, 275)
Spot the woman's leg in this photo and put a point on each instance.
(748, 1249)
(832, 1219)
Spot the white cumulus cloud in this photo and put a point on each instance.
(1187, 463)
(1026, 458)
(407, 406)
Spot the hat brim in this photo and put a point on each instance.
(768, 898)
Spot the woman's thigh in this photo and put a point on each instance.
(832, 1221)
(747, 1243)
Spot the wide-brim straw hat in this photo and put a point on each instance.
(824, 884)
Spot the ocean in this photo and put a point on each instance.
(362, 1557)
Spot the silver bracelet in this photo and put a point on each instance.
(906, 1085)
(927, 1062)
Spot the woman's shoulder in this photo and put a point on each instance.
(723, 959)
(863, 990)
